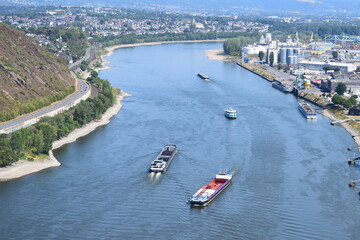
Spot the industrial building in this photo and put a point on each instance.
(344, 67)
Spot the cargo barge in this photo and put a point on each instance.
(164, 159)
(307, 111)
(203, 76)
(208, 192)
(284, 88)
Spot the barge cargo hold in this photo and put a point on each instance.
(164, 159)
(307, 111)
(284, 88)
(208, 192)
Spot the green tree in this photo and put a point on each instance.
(49, 133)
(340, 88)
(17, 141)
(271, 59)
(352, 100)
(7, 155)
(234, 46)
(37, 142)
(337, 99)
(335, 54)
(84, 65)
(261, 55)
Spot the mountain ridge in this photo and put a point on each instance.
(29, 72)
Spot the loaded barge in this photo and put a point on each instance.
(208, 192)
(203, 76)
(284, 88)
(164, 159)
(307, 111)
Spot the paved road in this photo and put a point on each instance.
(90, 55)
(82, 90)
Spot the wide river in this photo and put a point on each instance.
(290, 178)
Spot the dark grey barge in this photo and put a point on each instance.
(279, 86)
(164, 159)
(203, 76)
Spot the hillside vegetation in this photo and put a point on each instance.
(30, 76)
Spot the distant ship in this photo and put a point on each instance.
(164, 159)
(230, 113)
(307, 111)
(203, 76)
(282, 87)
(208, 192)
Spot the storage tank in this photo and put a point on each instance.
(296, 52)
(307, 84)
(283, 55)
(289, 52)
(293, 60)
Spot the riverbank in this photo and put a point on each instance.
(24, 167)
(108, 51)
(219, 55)
(354, 133)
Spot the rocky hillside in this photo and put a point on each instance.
(30, 76)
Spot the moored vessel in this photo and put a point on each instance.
(203, 76)
(208, 192)
(284, 88)
(307, 111)
(230, 113)
(164, 159)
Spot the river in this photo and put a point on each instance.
(290, 178)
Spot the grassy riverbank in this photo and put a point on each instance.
(258, 71)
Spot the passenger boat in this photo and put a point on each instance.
(164, 159)
(230, 113)
(208, 192)
(284, 88)
(203, 76)
(307, 111)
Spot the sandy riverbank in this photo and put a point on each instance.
(23, 167)
(218, 55)
(110, 50)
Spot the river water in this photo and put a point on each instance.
(290, 178)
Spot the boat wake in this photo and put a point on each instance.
(153, 176)
(234, 171)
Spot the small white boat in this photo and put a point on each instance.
(230, 113)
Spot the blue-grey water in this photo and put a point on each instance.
(291, 174)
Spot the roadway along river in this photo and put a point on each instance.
(291, 174)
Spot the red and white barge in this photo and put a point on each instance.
(208, 192)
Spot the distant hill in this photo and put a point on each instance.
(29, 73)
(303, 6)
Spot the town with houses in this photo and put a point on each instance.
(322, 64)
(119, 22)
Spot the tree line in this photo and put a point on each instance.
(76, 39)
(38, 138)
(133, 38)
(234, 46)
